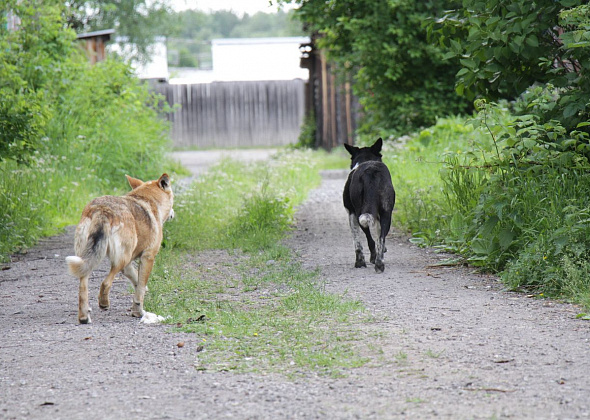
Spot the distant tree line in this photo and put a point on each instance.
(137, 21)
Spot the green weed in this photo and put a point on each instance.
(254, 307)
(509, 194)
(415, 164)
(103, 125)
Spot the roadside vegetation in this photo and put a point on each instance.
(503, 193)
(68, 131)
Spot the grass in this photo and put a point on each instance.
(41, 199)
(103, 124)
(278, 319)
(247, 297)
(35, 202)
(415, 164)
(508, 195)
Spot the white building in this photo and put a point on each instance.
(258, 58)
(155, 69)
(240, 59)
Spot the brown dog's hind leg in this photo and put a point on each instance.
(145, 269)
(131, 273)
(83, 308)
(105, 287)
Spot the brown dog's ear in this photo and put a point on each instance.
(376, 148)
(164, 182)
(134, 182)
(351, 149)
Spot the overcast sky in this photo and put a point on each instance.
(238, 6)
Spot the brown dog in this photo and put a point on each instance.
(122, 228)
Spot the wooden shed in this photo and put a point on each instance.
(95, 44)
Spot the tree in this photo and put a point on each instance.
(400, 78)
(193, 30)
(507, 46)
(138, 22)
(267, 24)
(30, 56)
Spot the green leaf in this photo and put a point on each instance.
(493, 20)
(529, 143)
(468, 62)
(488, 226)
(460, 89)
(456, 46)
(506, 238)
(570, 110)
(532, 41)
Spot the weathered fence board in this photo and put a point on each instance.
(329, 99)
(235, 114)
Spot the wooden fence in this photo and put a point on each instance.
(329, 99)
(235, 114)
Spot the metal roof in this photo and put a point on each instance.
(95, 34)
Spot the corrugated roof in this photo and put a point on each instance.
(95, 33)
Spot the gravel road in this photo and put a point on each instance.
(454, 344)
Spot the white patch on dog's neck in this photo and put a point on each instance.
(355, 166)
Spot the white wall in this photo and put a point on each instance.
(156, 68)
(239, 59)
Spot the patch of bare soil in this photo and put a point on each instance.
(454, 344)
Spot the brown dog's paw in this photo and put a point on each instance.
(137, 313)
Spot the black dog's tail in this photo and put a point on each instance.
(371, 199)
(366, 220)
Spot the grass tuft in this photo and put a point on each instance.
(225, 276)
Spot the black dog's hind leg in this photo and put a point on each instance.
(382, 229)
(356, 237)
(371, 243)
(375, 229)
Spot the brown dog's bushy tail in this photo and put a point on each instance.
(91, 249)
(77, 266)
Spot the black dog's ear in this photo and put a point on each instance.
(376, 148)
(351, 149)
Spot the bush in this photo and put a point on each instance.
(216, 213)
(415, 162)
(30, 58)
(508, 46)
(70, 131)
(261, 222)
(513, 198)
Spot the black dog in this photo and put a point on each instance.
(369, 198)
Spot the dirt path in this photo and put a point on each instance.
(454, 345)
